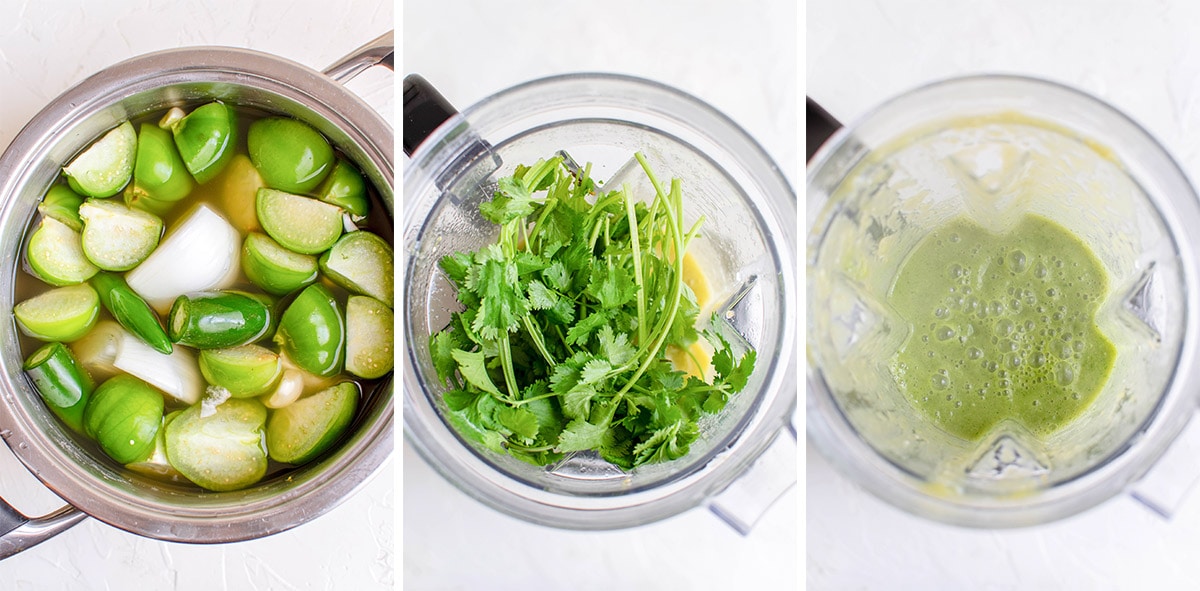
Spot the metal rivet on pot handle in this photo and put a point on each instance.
(379, 52)
(21, 532)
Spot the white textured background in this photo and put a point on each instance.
(48, 46)
(741, 58)
(1144, 58)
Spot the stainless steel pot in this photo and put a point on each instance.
(102, 489)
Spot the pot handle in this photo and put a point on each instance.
(747, 499)
(378, 52)
(18, 532)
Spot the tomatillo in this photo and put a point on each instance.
(219, 448)
(290, 155)
(159, 173)
(207, 139)
(123, 416)
(312, 331)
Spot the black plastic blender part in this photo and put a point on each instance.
(425, 109)
(818, 124)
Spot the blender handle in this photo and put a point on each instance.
(425, 109)
(380, 51)
(772, 474)
(21, 532)
(1167, 483)
(819, 125)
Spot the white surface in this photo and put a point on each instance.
(1142, 57)
(47, 46)
(741, 58)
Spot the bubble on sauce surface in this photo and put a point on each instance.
(1017, 261)
(1064, 375)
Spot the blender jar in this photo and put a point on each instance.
(747, 250)
(993, 148)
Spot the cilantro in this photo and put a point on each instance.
(562, 344)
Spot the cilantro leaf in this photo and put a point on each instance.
(471, 366)
(459, 399)
(734, 374)
(457, 265)
(520, 422)
(556, 276)
(594, 371)
(611, 285)
(502, 304)
(441, 348)
(549, 420)
(668, 443)
(582, 331)
(581, 435)
(615, 347)
(511, 201)
(577, 402)
(540, 296)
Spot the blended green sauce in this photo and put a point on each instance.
(1004, 327)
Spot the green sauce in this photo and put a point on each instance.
(1003, 327)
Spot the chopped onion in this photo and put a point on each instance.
(108, 349)
(97, 350)
(200, 254)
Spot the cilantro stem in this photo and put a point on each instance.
(510, 378)
(635, 241)
(595, 235)
(525, 449)
(563, 338)
(535, 334)
(551, 203)
(674, 210)
(523, 401)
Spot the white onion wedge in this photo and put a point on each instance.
(108, 349)
(200, 254)
(97, 350)
(177, 374)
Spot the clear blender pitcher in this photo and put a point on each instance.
(747, 250)
(993, 148)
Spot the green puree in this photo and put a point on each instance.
(1003, 327)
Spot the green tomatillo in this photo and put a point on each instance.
(290, 155)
